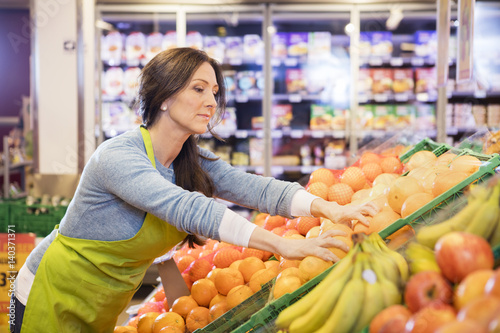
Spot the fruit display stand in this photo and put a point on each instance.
(4, 216)
(37, 218)
(263, 320)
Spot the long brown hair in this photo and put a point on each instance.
(163, 77)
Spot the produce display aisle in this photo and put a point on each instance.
(411, 228)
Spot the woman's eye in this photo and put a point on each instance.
(198, 89)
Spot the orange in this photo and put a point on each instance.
(272, 263)
(430, 177)
(183, 304)
(187, 279)
(319, 189)
(248, 252)
(218, 298)
(205, 253)
(159, 294)
(423, 158)
(295, 271)
(124, 329)
(415, 202)
(329, 225)
(285, 285)
(400, 237)
(168, 319)
(465, 163)
(305, 224)
(184, 262)
(361, 194)
(151, 306)
(340, 193)
(360, 227)
(313, 232)
(198, 318)
(260, 219)
(291, 223)
(391, 164)
(371, 171)
(236, 264)
(400, 190)
(279, 230)
(227, 279)
(419, 173)
(446, 180)
(384, 179)
(171, 329)
(311, 266)
(217, 310)
(237, 295)
(195, 253)
(199, 269)
(290, 232)
(261, 277)
(445, 159)
(225, 257)
(133, 321)
(146, 322)
(211, 275)
(354, 177)
(272, 222)
(203, 290)
(221, 245)
(323, 175)
(383, 219)
(209, 244)
(369, 157)
(249, 266)
(339, 252)
(286, 263)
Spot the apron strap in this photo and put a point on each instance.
(149, 145)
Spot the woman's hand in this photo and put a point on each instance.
(347, 214)
(296, 249)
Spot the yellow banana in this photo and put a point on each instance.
(495, 235)
(349, 306)
(289, 314)
(483, 222)
(322, 308)
(392, 292)
(429, 234)
(391, 271)
(374, 297)
(420, 258)
(398, 259)
(417, 266)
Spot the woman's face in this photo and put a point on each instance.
(192, 109)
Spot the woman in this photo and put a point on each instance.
(84, 274)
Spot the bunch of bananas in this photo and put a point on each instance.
(368, 279)
(420, 258)
(480, 216)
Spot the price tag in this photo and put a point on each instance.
(375, 61)
(241, 134)
(380, 98)
(294, 98)
(396, 62)
(297, 134)
(306, 169)
(259, 134)
(402, 97)
(291, 62)
(417, 61)
(275, 62)
(276, 134)
(480, 94)
(15, 248)
(241, 98)
(318, 134)
(277, 170)
(363, 98)
(422, 97)
(235, 62)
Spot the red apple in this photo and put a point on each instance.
(430, 318)
(471, 287)
(390, 320)
(465, 326)
(460, 253)
(482, 310)
(425, 288)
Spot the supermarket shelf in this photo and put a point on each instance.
(279, 169)
(279, 133)
(397, 62)
(15, 166)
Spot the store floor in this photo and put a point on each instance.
(139, 297)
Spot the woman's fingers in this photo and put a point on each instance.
(332, 233)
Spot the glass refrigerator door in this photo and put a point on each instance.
(311, 100)
(233, 36)
(130, 41)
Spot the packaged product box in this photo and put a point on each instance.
(131, 82)
(364, 116)
(297, 44)
(282, 115)
(194, 39)
(135, 48)
(280, 46)
(228, 123)
(405, 116)
(382, 79)
(260, 82)
(317, 78)
(321, 117)
(214, 47)
(479, 114)
(365, 46)
(425, 44)
(295, 80)
(381, 44)
(425, 82)
(365, 83)
(234, 50)
(230, 82)
(403, 81)
(425, 117)
(257, 123)
(113, 82)
(462, 116)
(256, 149)
(246, 84)
(384, 117)
(493, 115)
(169, 40)
(253, 49)
(339, 119)
(153, 46)
(320, 45)
(113, 48)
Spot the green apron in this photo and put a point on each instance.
(83, 285)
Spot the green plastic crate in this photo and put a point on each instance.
(38, 219)
(263, 320)
(4, 216)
